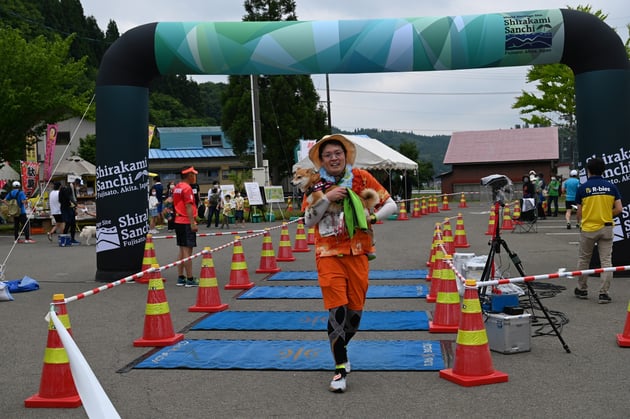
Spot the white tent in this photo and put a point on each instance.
(371, 154)
(7, 172)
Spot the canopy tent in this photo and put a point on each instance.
(7, 172)
(371, 154)
(75, 166)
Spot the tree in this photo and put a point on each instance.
(40, 84)
(289, 105)
(87, 148)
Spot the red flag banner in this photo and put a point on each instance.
(51, 141)
(30, 177)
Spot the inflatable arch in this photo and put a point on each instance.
(592, 49)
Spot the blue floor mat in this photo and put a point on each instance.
(374, 275)
(305, 292)
(310, 320)
(297, 355)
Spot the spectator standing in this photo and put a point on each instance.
(68, 201)
(340, 249)
(541, 187)
(569, 188)
(529, 190)
(214, 207)
(159, 193)
(239, 208)
(598, 201)
(55, 210)
(20, 221)
(227, 211)
(185, 225)
(153, 210)
(553, 193)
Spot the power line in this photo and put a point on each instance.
(422, 93)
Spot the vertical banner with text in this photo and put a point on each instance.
(30, 177)
(51, 141)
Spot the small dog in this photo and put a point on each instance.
(87, 233)
(309, 182)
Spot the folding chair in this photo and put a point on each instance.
(529, 215)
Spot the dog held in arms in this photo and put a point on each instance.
(309, 182)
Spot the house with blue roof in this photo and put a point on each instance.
(206, 148)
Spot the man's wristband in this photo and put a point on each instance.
(373, 219)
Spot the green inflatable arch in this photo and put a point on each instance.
(592, 49)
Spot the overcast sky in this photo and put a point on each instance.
(433, 103)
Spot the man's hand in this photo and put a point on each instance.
(336, 194)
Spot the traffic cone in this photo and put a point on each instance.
(623, 339)
(445, 206)
(267, 256)
(491, 223)
(416, 212)
(208, 297)
(516, 214)
(447, 237)
(424, 210)
(447, 312)
(148, 259)
(239, 277)
(437, 235)
(310, 237)
(462, 201)
(402, 212)
(158, 326)
(300, 244)
(56, 388)
(289, 205)
(507, 224)
(433, 206)
(473, 364)
(436, 274)
(460, 240)
(284, 250)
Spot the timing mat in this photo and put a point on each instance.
(310, 320)
(307, 292)
(296, 355)
(374, 275)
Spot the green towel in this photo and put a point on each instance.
(353, 212)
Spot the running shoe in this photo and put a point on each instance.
(29, 241)
(338, 383)
(192, 282)
(181, 281)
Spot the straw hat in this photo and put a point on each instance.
(351, 150)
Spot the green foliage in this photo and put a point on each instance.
(87, 148)
(39, 84)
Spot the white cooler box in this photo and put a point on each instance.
(509, 334)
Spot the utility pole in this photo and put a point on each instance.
(258, 154)
(328, 104)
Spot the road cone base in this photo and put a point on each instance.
(470, 381)
(38, 401)
(462, 246)
(208, 309)
(285, 259)
(159, 342)
(431, 299)
(440, 328)
(268, 270)
(301, 250)
(622, 340)
(239, 286)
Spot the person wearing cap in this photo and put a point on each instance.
(553, 193)
(55, 210)
(598, 201)
(341, 249)
(68, 201)
(185, 209)
(569, 189)
(20, 222)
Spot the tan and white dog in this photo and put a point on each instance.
(309, 182)
(87, 233)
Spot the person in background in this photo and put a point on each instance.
(226, 209)
(598, 201)
(214, 207)
(20, 221)
(342, 247)
(239, 208)
(541, 186)
(153, 210)
(569, 189)
(185, 225)
(529, 190)
(553, 193)
(68, 201)
(159, 193)
(55, 210)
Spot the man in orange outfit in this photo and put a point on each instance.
(342, 255)
(185, 225)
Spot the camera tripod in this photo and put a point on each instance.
(495, 247)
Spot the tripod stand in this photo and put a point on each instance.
(495, 247)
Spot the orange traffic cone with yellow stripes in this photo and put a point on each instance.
(416, 212)
(208, 297)
(447, 313)
(56, 388)
(300, 244)
(239, 276)
(507, 224)
(445, 206)
(268, 263)
(436, 273)
(623, 339)
(158, 326)
(437, 235)
(460, 239)
(447, 237)
(402, 212)
(516, 214)
(284, 250)
(462, 201)
(491, 223)
(424, 210)
(473, 363)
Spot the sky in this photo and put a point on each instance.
(426, 103)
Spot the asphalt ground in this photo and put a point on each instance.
(590, 381)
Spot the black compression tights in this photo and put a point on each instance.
(343, 324)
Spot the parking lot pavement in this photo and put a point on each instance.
(591, 381)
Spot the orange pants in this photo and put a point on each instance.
(343, 280)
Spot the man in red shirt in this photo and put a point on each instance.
(185, 225)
